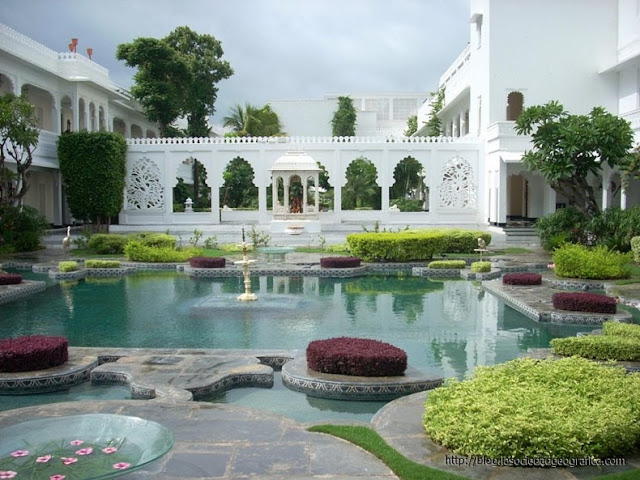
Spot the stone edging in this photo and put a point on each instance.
(9, 293)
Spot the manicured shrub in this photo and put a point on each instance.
(21, 228)
(35, 352)
(68, 266)
(522, 279)
(137, 252)
(628, 330)
(340, 262)
(356, 356)
(234, 248)
(452, 264)
(566, 225)
(10, 278)
(464, 241)
(156, 240)
(584, 302)
(614, 228)
(527, 408)
(107, 243)
(635, 248)
(208, 262)
(598, 347)
(338, 247)
(481, 267)
(577, 261)
(102, 264)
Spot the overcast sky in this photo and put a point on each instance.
(279, 49)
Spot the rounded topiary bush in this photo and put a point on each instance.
(34, 352)
(356, 356)
(527, 409)
(10, 278)
(102, 264)
(481, 267)
(208, 262)
(522, 279)
(584, 302)
(340, 262)
(450, 264)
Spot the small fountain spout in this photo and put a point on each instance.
(248, 295)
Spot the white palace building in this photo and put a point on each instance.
(583, 53)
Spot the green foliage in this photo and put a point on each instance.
(19, 137)
(259, 238)
(234, 248)
(238, 190)
(343, 123)
(138, 252)
(107, 243)
(21, 228)
(252, 121)
(434, 124)
(176, 76)
(599, 347)
(567, 149)
(408, 204)
(412, 126)
(578, 261)
(82, 240)
(567, 408)
(448, 264)
(93, 167)
(566, 225)
(211, 243)
(408, 185)
(102, 264)
(628, 330)
(635, 248)
(68, 266)
(197, 235)
(481, 267)
(339, 248)
(361, 189)
(154, 240)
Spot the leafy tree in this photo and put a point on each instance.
(434, 124)
(177, 76)
(238, 190)
(412, 126)
(567, 149)
(343, 123)
(409, 179)
(361, 189)
(18, 139)
(252, 121)
(93, 170)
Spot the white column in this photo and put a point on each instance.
(623, 197)
(304, 194)
(285, 200)
(317, 199)
(502, 194)
(262, 203)
(606, 183)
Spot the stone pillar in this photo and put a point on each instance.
(606, 183)
(502, 194)
(623, 197)
(304, 194)
(262, 204)
(317, 199)
(285, 200)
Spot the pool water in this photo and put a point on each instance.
(447, 327)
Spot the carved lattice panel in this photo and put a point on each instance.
(144, 186)
(458, 187)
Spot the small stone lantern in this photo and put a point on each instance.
(188, 205)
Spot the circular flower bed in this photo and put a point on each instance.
(522, 279)
(538, 409)
(208, 262)
(10, 278)
(356, 356)
(34, 352)
(584, 302)
(340, 262)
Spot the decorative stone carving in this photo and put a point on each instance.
(458, 187)
(144, 186)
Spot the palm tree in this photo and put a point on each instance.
(253, 121)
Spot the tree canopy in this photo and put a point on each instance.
(177, 76)
(568, 148)
(343, 123)
(361, 189)
(19, 136)
(253, 121)
(412, 126)
(434, 124)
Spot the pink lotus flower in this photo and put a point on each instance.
(7, 473)
(57, 477)
(68, 460)
(76, 442)
(121, 465)
(109, 450)
(44, 459)
(20, 453)
(85, 451)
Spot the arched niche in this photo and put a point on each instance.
(361, 190)
(6, 85)
(409, 191)
(239, 189)
(191, 182)
(66, 114)
(119, 126)
(136, 131)
(515, 103)
(44, 105)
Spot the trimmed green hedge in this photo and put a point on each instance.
(107, 243)
(628, 330)
(156, 240)
(635, 248)
(68, 266)
(448, 264)
(481, 267)
(102, 264)
(413, 244)
(137, 252)
(567, 408)
(598, 347)
(578, 261)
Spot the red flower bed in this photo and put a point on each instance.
(208, 262)
(340, 262)
(356, 356)
(10, 278)
(584, 302)
(522, 279)
(34, 352)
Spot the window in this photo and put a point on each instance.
(515, 101)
